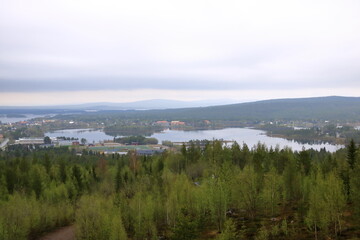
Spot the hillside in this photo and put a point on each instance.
(320, 108)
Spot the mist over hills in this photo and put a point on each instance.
(137, 105)
(318, 108)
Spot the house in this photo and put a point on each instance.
(162, 123)
(29, 141)
(177, 123)
(111, 144)
(114, 151)
(148, 152)
(63, 143)
(207, 122)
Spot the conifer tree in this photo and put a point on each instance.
(351, 154)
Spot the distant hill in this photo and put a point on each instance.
(138, 105)
(319, 108)
(147, 105)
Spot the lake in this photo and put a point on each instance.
(25, 117)
(91, 135)
(242, 135)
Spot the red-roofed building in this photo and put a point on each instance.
(162, 123)
(177, 123)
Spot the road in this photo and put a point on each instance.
(4, 143)
(65, 233)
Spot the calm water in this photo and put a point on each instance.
(91, 135)
(5, 119)
(242, 135)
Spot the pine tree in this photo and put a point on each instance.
(186, 227)
(351, 154)
(229, 232)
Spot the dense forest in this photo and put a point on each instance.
(199, 192)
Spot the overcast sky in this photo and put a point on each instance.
(66, 51)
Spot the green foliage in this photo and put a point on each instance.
(229, 232)
(272, 193)
(186, 227)
(37, 176)
(246, 191)
(21, 216)
(4, 194)
(97, 220)
(206, 188)
(167, 143)
(355, 189)
(142, 208)
(263, 234)
(291, 179)
(326, 203)
(351, 154)
(47, 140)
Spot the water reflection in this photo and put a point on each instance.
(242, 135)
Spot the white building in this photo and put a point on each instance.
(25, 141)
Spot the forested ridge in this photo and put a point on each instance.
(319, 108)
(333, 108)
(197, 192)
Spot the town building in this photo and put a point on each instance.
(29, 141)
(177, 123)
(163, 123)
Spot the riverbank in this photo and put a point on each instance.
(330, 140)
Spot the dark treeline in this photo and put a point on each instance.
(203, 191)
(328, 133)
(141, 140)
(131, 129)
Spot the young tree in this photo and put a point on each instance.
(47, 140)
(236, 155)
(62, 171)
(305, 161)
(317, 216)
(186, 227)
(246, 191)
(335, 199)
(83, 141)
(271, 193)
(118, 178)
(77, 178)
(291, 180)
(91, 219)
(229, 232)
(37, 176)
(326, 203)
(4, 194)
(355, 190)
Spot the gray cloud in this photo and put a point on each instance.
(106, 45)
